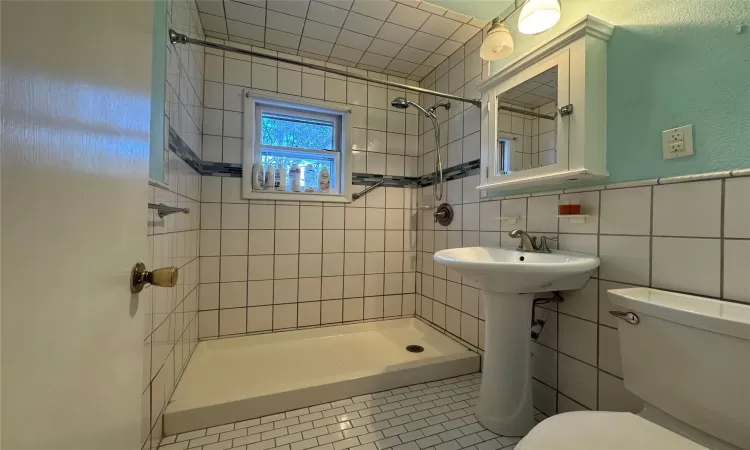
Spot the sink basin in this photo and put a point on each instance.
(510, 280)
(512, 271)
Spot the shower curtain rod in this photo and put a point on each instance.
(179, 38)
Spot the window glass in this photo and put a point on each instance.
(281, 130)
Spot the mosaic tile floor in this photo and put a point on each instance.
(430, 416)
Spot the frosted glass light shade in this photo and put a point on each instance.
(538, 16)
(498, 44)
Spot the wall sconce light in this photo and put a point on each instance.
(536, 17)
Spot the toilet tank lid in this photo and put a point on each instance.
(709, 314)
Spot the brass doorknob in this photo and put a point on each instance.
(139, 277)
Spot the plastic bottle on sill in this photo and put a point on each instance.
(310, 178)
(324, 181)
(294, 177)
(280, 178)
(258, 177)
(268, 180)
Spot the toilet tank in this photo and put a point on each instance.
(689, 357)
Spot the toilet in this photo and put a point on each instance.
(688, 359)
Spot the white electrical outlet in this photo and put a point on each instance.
(677, 142)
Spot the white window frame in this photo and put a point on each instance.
(251, 149)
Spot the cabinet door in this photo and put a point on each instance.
(527, 137)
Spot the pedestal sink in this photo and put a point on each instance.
(509, 279)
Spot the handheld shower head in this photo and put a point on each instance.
(400, 103)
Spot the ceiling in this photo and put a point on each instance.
(481, 9)
(406, 38)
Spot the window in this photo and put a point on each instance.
(308, 135)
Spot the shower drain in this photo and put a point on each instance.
(414, 348)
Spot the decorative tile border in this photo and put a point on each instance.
(221, 169)
(366, 179)
(181, 149)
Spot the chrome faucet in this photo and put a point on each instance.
(528, 243)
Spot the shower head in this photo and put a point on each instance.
(402, 103)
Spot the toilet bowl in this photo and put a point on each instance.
(688, 358)
(600, 430)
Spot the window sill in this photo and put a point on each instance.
(298, 197)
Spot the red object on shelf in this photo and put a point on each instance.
(574, 209)
(565, 209)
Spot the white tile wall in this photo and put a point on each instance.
(171, 328)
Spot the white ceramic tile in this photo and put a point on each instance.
(321, 31)
(232, 321)
(234, 216)
(332, 287)
(233, 268)
(262, 217)
(313, 86)
(626, 211)
(543, 397)
(544, 364)
(259, 318)
(737, 208)
(687, 265)
(577, 380)
(260, 267)
(284, 316)
(577, 338)
(285, 291)
(308, 314)
(290, 82)
(287, 242)
(408, 17)
(234, 242)
(625, 259)
(736, 263)
(373, 307)
(582, 303)
(287, 217)
(259, 293)
(542, 214)
(320, 12)
(331, 311)
(353, 309)
(285, 266)
(688, 209)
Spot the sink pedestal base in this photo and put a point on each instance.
(504, 405)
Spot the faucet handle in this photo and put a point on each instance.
(543, 247)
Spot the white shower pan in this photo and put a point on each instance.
(235, 379)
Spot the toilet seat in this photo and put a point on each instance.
(598, 430)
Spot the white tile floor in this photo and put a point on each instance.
(430, 416)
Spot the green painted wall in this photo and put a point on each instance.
(670, 63)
